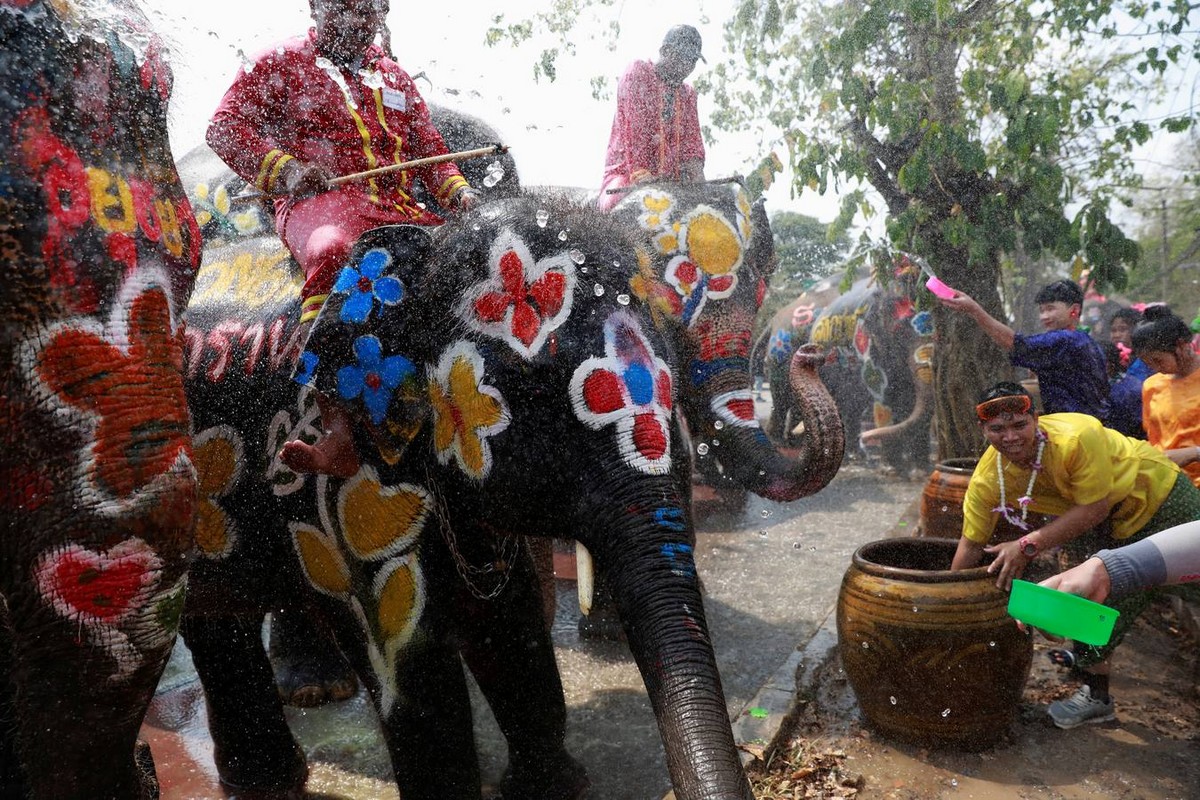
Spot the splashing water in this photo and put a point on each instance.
(598, 290)
(623, 299)
(542, 217)
(577, 256)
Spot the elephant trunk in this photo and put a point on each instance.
(920, 407)
(751, 460)
(644, 549)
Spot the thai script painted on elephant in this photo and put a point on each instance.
(466, 411)
(112, 595)
(371, 539)
(276, 347)
(704, 248)
(803, 315)
(119, 205)
(837, 329)
(629, 387)
(523, 301)
(120, 381)
(251, 280)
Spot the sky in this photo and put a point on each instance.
(556, 132)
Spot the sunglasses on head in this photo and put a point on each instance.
(1009, 404)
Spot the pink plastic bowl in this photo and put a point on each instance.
(935, 285)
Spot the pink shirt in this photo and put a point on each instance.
(641, 140)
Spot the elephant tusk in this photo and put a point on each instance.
(585, 575)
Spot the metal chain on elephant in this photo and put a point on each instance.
(509, 549)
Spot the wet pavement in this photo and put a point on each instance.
(770, 575)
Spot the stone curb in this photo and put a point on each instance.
(763, 725)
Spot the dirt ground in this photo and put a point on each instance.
(1150, 752)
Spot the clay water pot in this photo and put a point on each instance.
(932, 655)
(941, 513)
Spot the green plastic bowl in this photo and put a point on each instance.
(1061, 614)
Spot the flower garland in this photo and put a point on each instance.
(1024, 500)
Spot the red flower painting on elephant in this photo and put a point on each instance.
(631, 388)
(125, 379)
(523, 301)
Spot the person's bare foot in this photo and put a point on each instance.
(333, 454)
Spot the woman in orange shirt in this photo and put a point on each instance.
(1170, 398)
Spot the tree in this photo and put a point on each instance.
(805, 255)
(980, 124)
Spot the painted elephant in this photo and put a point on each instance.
(98, 251)
(879, 363)
(527, 379)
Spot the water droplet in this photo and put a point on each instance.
(945, 509)
(866, 646)
(716, 442)
(577, 256)
(892, 699)
(945, 712)
(991, 644)
(598, 290)
(763, 534)
(916, 610)
(954, 783)
(562, 236)
(702, 449)
(797, 546)
(719, 424)
(542, 216)
(812, 548)
(475, 226)
(584, 270)
(623, 299)
(491, 179)
(766, 512)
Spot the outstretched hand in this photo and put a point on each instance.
(1009, 563)
(466, 199)
(1090, 579)
(304, 180)
(960, 301)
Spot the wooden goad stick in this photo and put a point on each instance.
(479, 152)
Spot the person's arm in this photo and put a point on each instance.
(1182, 456)
(691, 143)
(240, 131)
(996, 330)
(968, 554)
(1168, 557)
(1010, 562)
(444, 181)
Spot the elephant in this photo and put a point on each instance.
(880, 357)
(527, 371)
(98, 491)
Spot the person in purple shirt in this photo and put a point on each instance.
(1070, 366)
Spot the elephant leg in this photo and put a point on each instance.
(310, 669)
(429, 729)
(253, 747)
(512, 659)
(68, 723)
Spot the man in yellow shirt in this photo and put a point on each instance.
(1070, 467)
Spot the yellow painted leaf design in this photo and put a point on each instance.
(443, 417)
(211, 536)
(221, 200)
(667, 243)
(657, 203)
(713, 244)
(322, 564)
(216, 464)
(478, 410)
(397, 599)
(378, 520)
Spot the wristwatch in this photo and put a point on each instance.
(1028, 547)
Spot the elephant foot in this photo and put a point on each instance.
(561, 779)
(334, 454)
(314, 680)
(253, 778)
(309, 668)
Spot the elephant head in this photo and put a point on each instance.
(711, 255)
(881, 349)
(98, 248)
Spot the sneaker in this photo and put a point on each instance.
(1081, 707)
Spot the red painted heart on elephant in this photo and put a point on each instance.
(98, 586)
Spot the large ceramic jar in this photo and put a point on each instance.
(932, 655)
(941, 513)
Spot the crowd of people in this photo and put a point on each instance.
(1113, 460)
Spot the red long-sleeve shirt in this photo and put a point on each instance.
(642, 138)
(293, 104)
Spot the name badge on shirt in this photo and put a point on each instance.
(394, 98)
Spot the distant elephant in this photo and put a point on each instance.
(524, 381)
(879, 362)
(98, 251)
